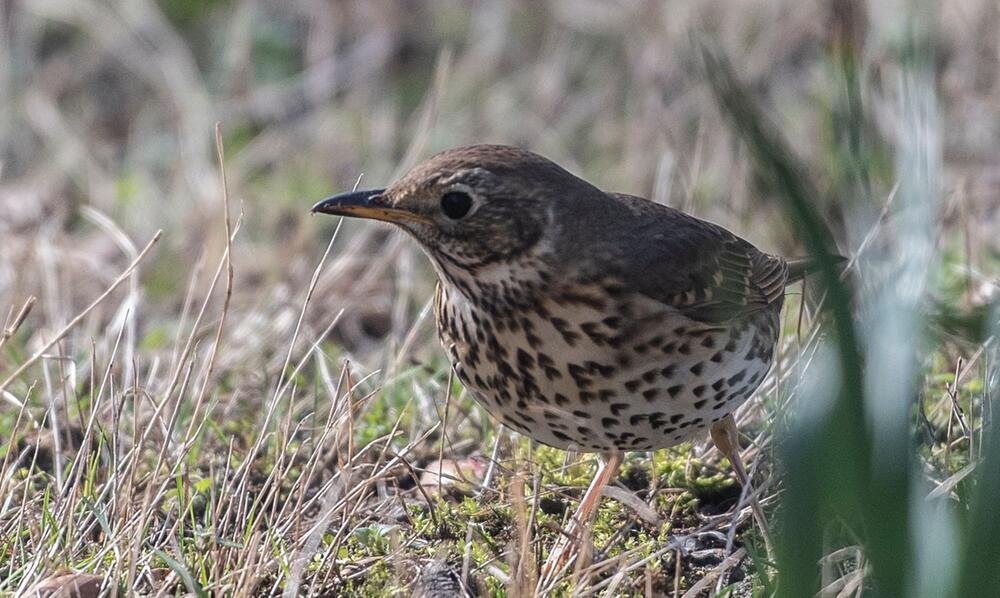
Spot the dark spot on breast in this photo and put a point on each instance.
(669, 348)
(602, 369)
(668, 372)
(676, 418)
(650, 393)
(495, 350)
(579, 375)
(609, 422)
(612, 322)
(684, 349)
(524, 359)
(504, 368)
(736, 378)
(548, 366)
(472, 355)
(697, 368)
(649, 376)
(582, 431)
(592, 330)
(561, 399)
(633, 385)
(700, 404)
(717, 385)
(699, 390)
(502, 395)
(635, 420)
(617, 408)
(675, 390)
(533, 341)
(571, 297)
(708, 342)
(606, 395)
(562, 327)
(581, 414)
(717, 358)
(586, 396)
(730, 346)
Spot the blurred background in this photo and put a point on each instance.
(107, 110)
(891, 110)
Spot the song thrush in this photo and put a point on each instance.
(585, 319)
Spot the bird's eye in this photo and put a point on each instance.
(456, 204)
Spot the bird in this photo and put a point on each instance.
(587, 320)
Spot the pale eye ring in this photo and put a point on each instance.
(456, 204)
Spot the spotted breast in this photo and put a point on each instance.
(592, 366)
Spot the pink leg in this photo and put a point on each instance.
(566, 549)
(726, 438)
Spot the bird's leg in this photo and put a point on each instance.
(567, 546)
(726, 438)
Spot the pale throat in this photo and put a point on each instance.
(510, 281)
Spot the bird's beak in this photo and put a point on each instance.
(365, 204)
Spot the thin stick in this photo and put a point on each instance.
(80, 316)
(229, 280)
(18, 320)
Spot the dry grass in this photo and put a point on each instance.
(256, 404)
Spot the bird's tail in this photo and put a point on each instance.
(800, 266)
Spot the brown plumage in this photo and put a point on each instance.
(585, 319)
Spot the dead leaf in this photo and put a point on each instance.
(69, 585)
(452, 474)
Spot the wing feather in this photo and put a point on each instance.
(698, 267)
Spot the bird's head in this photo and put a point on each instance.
(469, 207)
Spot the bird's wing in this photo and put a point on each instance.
(697, 267)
